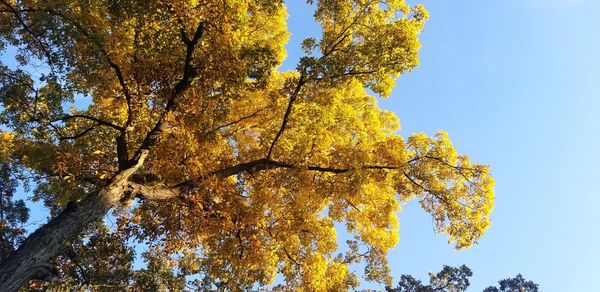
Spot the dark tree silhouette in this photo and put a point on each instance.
(451, 279)
(516, 284)
(448, 279)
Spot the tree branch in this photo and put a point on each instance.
(267, 164)
(458, 168)
(303, 79)
(288, 111)
(97, 120)
(78, 135)
(237, 121)
(441, 197)
(290, 256)
(166, 193)
(152, 192)
(189, 74)
(16, 13)
(100, 46)
(122, 138)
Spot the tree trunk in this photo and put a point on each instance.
(30, 260)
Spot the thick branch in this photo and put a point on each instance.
(266, 164)
(147, 187)
(189, 74)
(153, 192)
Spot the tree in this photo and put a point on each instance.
(448, 279)
(516, 284)
(453, 279)
(200, 145)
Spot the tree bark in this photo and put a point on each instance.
(31, 260)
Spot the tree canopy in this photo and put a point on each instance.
(452, 279)
(202, 148)
(516, 284)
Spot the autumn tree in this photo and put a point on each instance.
(200, 145)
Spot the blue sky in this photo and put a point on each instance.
(517, 85)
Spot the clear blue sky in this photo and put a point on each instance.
(517, 85)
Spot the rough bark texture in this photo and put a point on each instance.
(30, 261)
